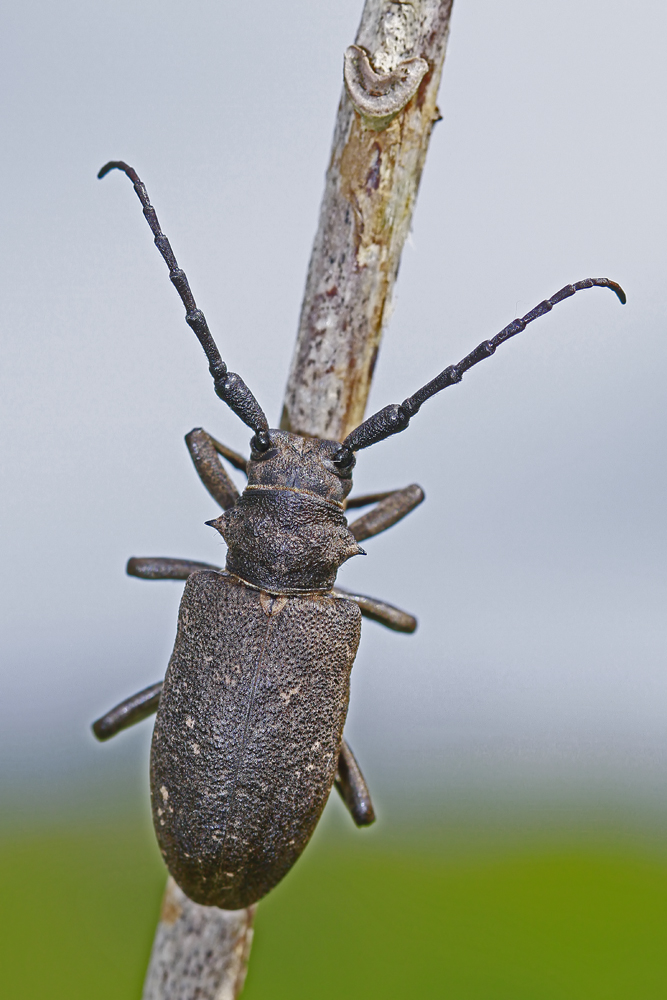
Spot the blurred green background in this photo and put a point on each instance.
(531, 903)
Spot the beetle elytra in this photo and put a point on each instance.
(248, 739)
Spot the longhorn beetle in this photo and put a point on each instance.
(248, 739)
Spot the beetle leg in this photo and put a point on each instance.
(204, 451)
(352, 788)
(380, 611)
(160, 568)
(132, 710)
(367, 499)
(392, 507)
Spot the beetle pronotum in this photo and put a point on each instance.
(248, 739)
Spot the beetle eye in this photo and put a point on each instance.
(344, 461)
(259, 444)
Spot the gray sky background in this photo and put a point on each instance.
(537, 566)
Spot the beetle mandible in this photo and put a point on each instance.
(248, 739)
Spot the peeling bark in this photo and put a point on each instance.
(385, 117)
(380, 142)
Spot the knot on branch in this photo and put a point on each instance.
(379, 97)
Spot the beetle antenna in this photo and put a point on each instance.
(395, 418)
(229, 386)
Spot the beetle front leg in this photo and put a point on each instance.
(352, 787)
(163, 568)
(204, 451)
(129, 712)
(380, 611)
(390, 508)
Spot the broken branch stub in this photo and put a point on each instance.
(380, 97)
(384, 123)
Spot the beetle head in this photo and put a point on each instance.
(287, 532)
(289, 461)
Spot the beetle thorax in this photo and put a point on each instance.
(288, 533)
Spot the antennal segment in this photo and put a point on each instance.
(229, 386)
(394, 418)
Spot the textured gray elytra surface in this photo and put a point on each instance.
(248, 732)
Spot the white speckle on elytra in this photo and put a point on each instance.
(159, 812)
(190, 722)
(286, 696)
(161, 822)
(195, 748)
(164, 793)
(310, 767)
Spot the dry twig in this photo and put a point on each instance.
(384, 123)
(371, 186)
